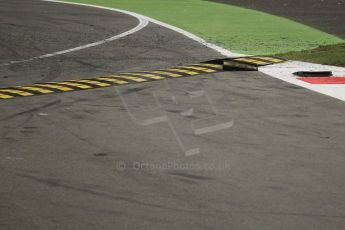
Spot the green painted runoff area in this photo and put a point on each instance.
(237, 29)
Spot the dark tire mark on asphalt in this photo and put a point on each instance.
(31, 110)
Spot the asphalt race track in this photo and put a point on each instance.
(110, 159)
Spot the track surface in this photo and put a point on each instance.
(59, 154)
(327, 15)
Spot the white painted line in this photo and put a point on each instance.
(142, 24)
(284, 71)
(219, 49)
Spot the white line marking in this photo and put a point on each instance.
(143, 21)
(219, 49)
(142, 24)
(284, 71)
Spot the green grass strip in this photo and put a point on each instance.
(238, 29)
(328, 55)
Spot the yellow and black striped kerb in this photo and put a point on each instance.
(107, 80)
(250, 62)
(238, 63)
